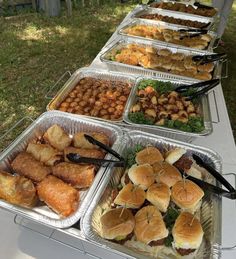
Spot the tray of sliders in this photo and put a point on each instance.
(37, 179)
(143, 57)
(197, 9)
(176, 18)
(172, 35)
(150, 209)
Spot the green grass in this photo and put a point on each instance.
(36, 50)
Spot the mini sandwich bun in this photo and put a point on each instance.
(131, 196)
(158, 194)
(174, 155)
(166, 173)
(187, 232)
(186, 195)
(149, 225)
(142, 175)
(117, 223)
(148, 155)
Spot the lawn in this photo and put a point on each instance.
(35, 51)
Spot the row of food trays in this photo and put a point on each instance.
(146, 208)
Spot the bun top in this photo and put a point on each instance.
(142, 175)
(174, 155)
(118, 222)
(166, 173)
(131, 196)
(149, 155)
(187, 232)
(149, 225)
(186, 194)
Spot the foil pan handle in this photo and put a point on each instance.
(51, 93)
(224, 69)
(14, 131)
(216, 108)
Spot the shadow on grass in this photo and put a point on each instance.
(36, 50)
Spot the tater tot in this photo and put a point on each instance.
(70, 110)
(64, 104)
(122, 98)
(103, 112)
(83, 103)
(111, 110)
(73, 104)
(105, 106)
(63, 109)
(69, 100)
(106, 117)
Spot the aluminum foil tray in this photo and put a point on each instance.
(164, 26)
(177, 15)
(72, 124)
(210, 212)
(183, 13)
(88, 72)
(118, 44)
(204, 110)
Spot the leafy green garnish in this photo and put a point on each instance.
(160, 87)
(131, 154)
(169, 219)
(140, 118)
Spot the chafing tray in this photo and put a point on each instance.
(210, 212)
(72, 124)
(88, 72)
(204, 110)
(164, 25)
(118, 44)
(183, 13)
(176, 15)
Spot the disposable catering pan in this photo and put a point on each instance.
(118, 44)
(210, 212)
(207, 21)
(71, 124)
(94, 73)
(172, 133)
(163, 25)
(183, 13)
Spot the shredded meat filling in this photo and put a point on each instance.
(184, 163)
(183, 251)
(159, 242)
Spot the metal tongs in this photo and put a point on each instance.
(229, 193)
(76, 158)
(204, 87)
(204, 59)
(191, 32)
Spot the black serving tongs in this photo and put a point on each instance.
(76, 158)
(199, 5)
(229, 193)
(204, 59)
(191, 33)
(204, 87)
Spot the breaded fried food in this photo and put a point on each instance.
(92, 153)
(81, 142)
(57, 137)
(59, 196)
(79, 176)
(17, 190)
(44, 153)
(26, 165)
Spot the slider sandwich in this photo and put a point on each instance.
(187, 233)
(149, 155)
(158, 194)
(142, 175)
(117, 224)
(166, 173)
(187, 195)
(131, 196)
(149, 227)
(174, 155)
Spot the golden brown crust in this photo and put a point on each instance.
(166, 173)
(26, 165)
(142, 175)
(149, 225)
(17, 190)
(79, 176)
(57, 137)
(44, 153)
(186, 194)
(92, 153)
(159, 195)
(116, 223)
(148, 155)
(131, 196)
(59, 196)
(81, 142)
(187, 231)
